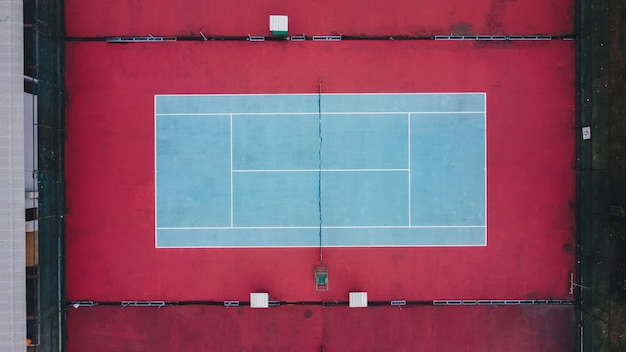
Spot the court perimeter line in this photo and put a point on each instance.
(231, 114)
(330, 245)
(322, 170)
(314, 94)
(315, 113)
(485, 139)
(231, 170)
(409, 163)
(156, 203)
(315, 227)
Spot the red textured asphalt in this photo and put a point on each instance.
(110, 178)
(88, 18)
(110, 169)
(331, 329)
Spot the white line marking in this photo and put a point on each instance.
(155, 172)
(314, 95)
(330, 246)
(313, 113)
(313, 227)
(409, 164)
(485, 139)
(316, 113)
(333, 246)
(231, 171)
(324, 170)
(236, 113)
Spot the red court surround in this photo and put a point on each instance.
(90, 18)
(110, 169)
(110, 249)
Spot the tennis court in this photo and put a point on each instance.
(276, 127)
(201, 171)
(309, 170)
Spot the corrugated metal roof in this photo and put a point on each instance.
(12, 199)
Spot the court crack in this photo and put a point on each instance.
(319, 165)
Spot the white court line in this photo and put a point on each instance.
(312, 94)
(316, 170)
(322, 170)
(333, 246)
(485, 140)
(409, 164)
(324, 113)
(231, 171)
(313, 227)
(156, 204)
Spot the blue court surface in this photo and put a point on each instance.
(360, 169)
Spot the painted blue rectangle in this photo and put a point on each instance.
(193, 171)
(331, 237)
(448, 169)
(364, 169)
(237, 104)
(352, 198)
(464, 102)
(309, 103)
(370, 198)
(364, 141)
(270, 142)
(275, 199)
(292, 142)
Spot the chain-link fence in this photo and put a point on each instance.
(593, 161)
(43, 37)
